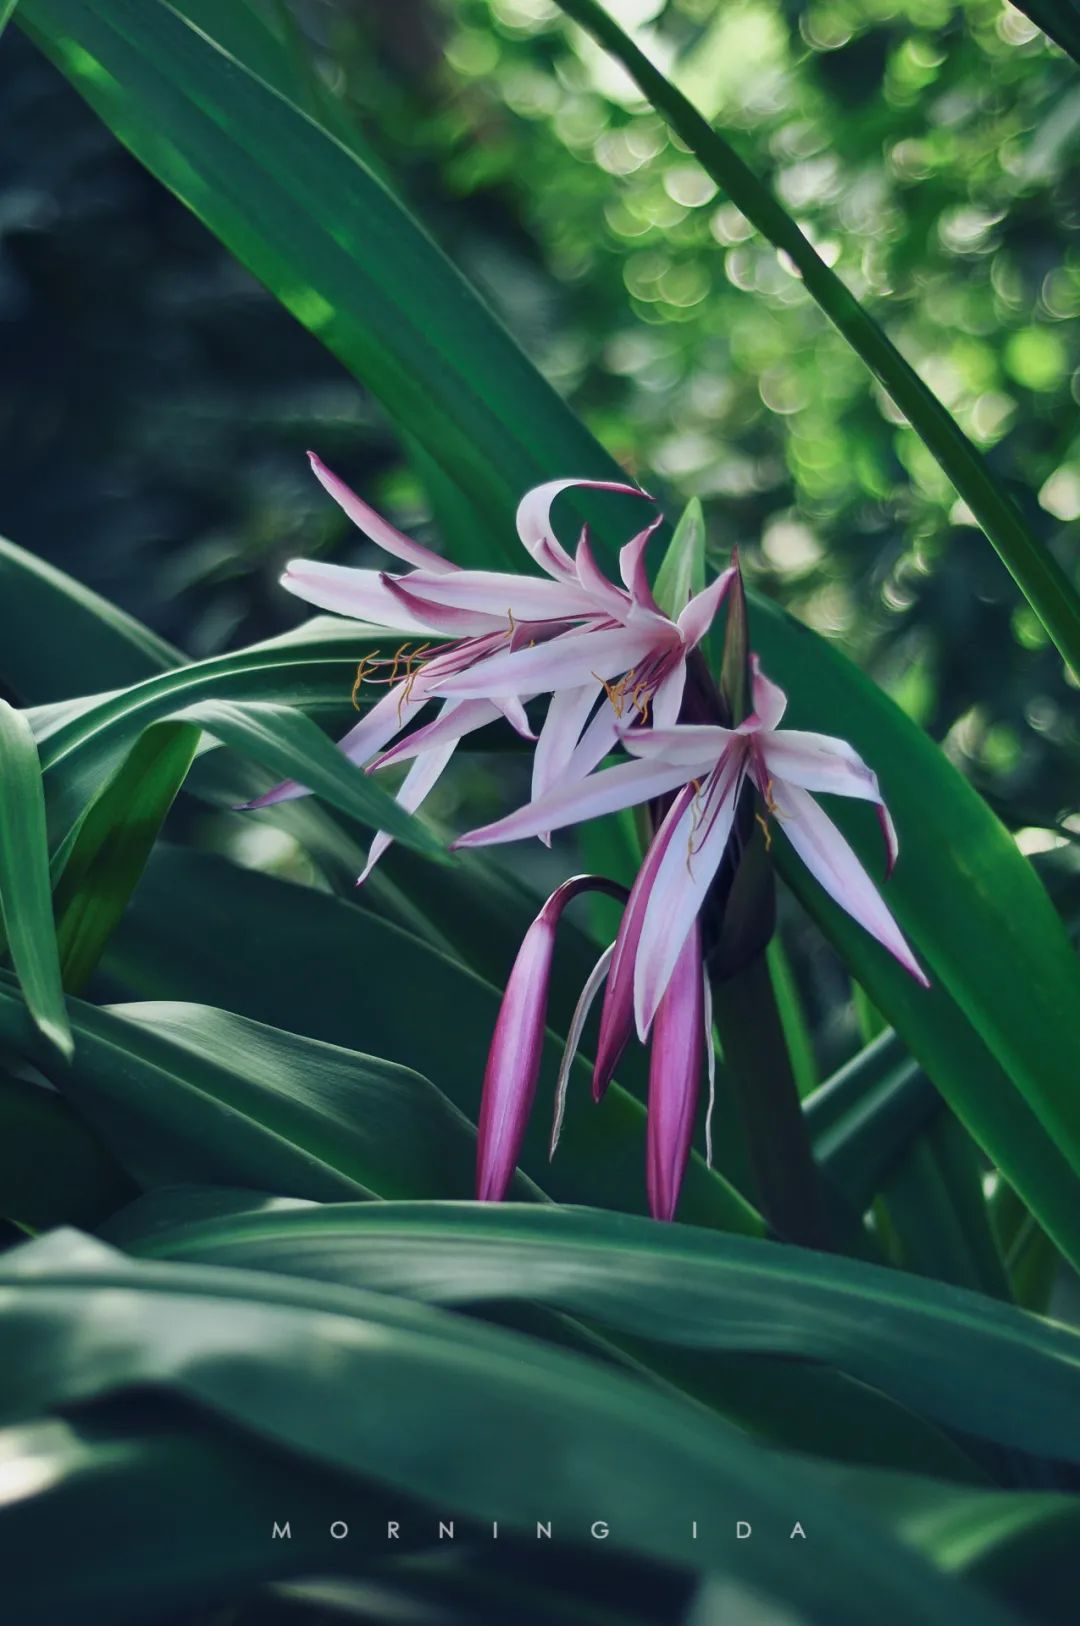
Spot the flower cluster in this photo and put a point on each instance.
(615, 669)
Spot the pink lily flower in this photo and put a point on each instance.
(681, 1039)
(513, 1064)
(571, 632)
(710, 767)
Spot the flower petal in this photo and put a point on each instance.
(448, 620)
(699, 614)
(456, 717)
(513, 1064)
(417, 784)
(374, 526)
(601, 736)
(385, 719)
(633, 572)
(608, 598)
(513, 710)
(682, 879)
(770, 701)
(674, 1078)
(567, 715)
(667, 697)
(617, 1015)
(625, 785)
(698, 746)
(832, 862)
(501, 594)
(565, 662)
(534, 525)
(360, 594)
(820, 762)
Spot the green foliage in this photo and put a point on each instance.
(301, 1315)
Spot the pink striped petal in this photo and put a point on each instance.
(831, 861)
(699, 614)
(455, 719)
(770, 702)
(374, 526)
(534, 525)
(820, 762)
(667, 697)
(678, 1043)
(682, 879)
(633, 572)
(513, 1064)
(625, 785)
(698, 746)
(361, 594)
(385, 719)
(601, 736)
(604, 594)
(418, 783)
(447, 620)
(506, 597)
(617, 1015)
(512, 709)
(565, 662)
(567, 715)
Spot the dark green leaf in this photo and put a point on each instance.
(26, 911)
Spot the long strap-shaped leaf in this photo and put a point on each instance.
(60, 638)
(1058, 19)
(941, 1350)
(385, 1390)
(1034, 568)
(26, 911)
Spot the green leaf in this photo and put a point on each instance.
(205, 930)
(1019, 1544)
(920, 1341)
(53, 1169)
(935, 1207)
(863, 1119)
(252, 699)
(797, 1037)
(1033, 567)
(187, 1093)
(26, 912)
(682, 571)
(61, 639)
(324, 233)
(384, 1390)
(1059, 21)
(113, 843)
(1001, 1047)
(131, 1468)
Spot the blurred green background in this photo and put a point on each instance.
(155, 402)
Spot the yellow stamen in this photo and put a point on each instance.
(766, 832)
(361, 674)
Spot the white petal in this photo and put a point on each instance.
(682, 880)
(625, 785)
(831, 861)
(374, 526)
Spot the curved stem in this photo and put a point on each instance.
(1033, 567)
